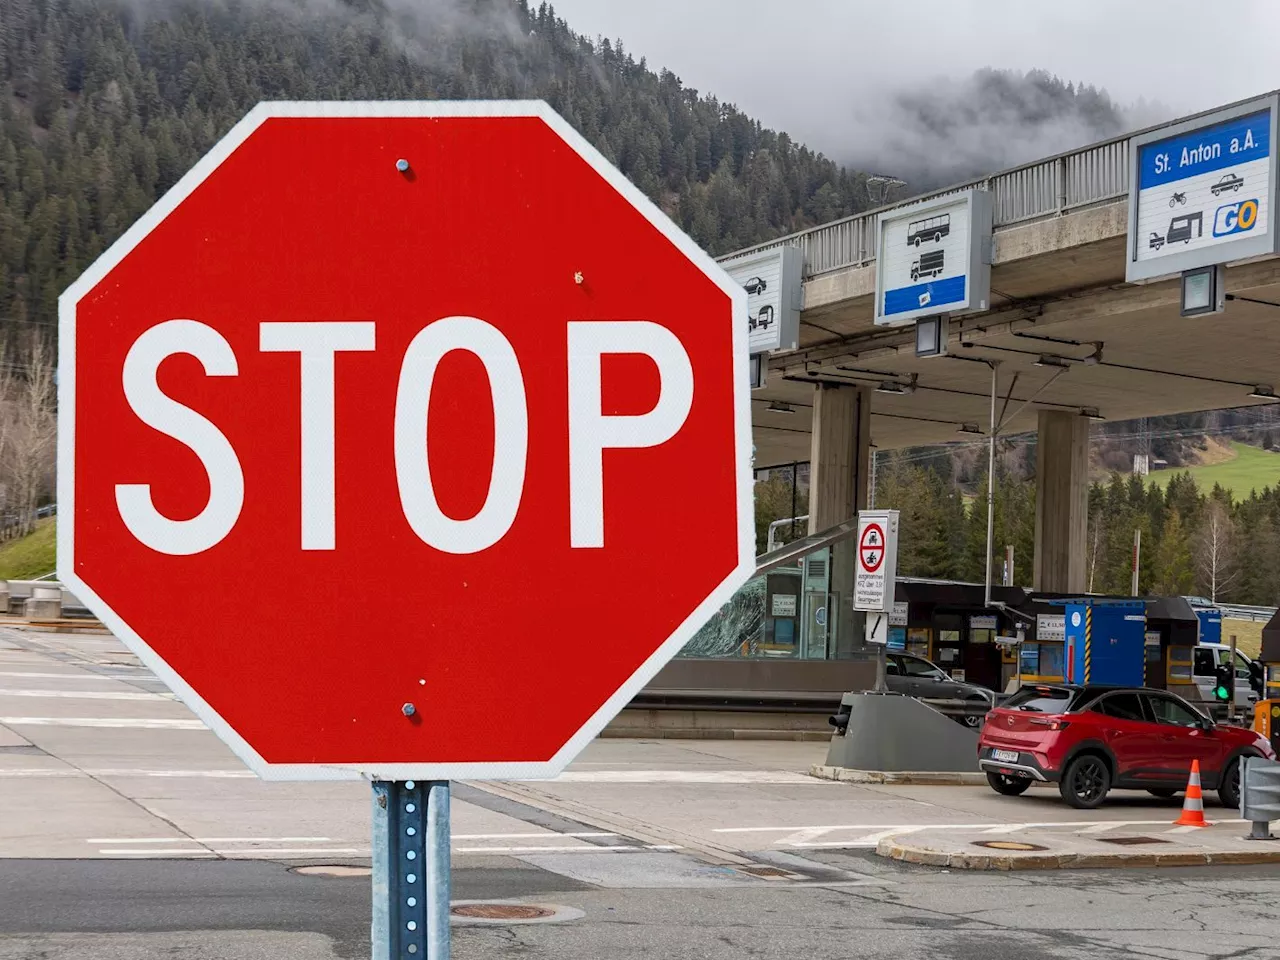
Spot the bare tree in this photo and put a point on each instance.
(1095, 545)
(1216, 550)
(28, 431)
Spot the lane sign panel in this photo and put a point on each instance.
(1203, 192)
(933, 257)
(877, 560)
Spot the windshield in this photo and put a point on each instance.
(1039, 700)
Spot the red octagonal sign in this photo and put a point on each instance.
(404, 440)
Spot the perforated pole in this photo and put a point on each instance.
(411, 884)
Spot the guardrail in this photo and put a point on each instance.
(1234, 611)
(1046, 188)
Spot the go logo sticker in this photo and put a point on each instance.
(1235, 218)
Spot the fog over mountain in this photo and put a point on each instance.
(936, 132)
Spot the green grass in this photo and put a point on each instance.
(1248, 635)
(32, 556)
(1252, 468)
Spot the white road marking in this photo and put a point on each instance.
(525, 836)
(86, 694)
(802, 837)
(308, 852)
(138, 723)
(25, 674)
(807, 837)
(686, 776)
(154, 851)
(298, 851)
(818, 831)
(867, 840)
(211, 774)
(579, 848)
(63, 772)
(237, 854)
(210, 840)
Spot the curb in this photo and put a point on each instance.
(893, 849)
(919, 777)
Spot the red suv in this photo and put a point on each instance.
(1090, 739)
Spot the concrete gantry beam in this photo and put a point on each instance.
(1154, 362)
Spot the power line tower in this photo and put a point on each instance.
(883, 189)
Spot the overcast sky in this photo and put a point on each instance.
(802, 65)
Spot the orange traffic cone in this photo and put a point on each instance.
(1193, 805)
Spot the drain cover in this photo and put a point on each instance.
(332, 870)
(1130, 841)
(511, 913)
(1007, 845)
(501, 911)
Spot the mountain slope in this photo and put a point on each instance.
(105, 103)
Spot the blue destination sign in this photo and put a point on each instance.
(1204, 151)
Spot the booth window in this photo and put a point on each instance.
(1042, 661)
(1180, 664)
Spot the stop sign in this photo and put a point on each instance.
(404, 440)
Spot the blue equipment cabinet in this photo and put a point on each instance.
(1106, 642)
(1210, 624)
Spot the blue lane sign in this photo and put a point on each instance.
(1204, 192)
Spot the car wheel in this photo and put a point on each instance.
(1229, 791)
(972, 721)
(1085, 782)
(1008, 786)
(1164, 793)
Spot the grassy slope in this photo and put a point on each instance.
(1251, 469)
(32, 556)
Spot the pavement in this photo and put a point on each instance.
(127, 829)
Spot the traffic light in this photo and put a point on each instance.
(1224, 680)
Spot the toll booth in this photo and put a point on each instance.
(1266, 720)
(1106, 641)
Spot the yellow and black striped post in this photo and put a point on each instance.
(1088, 642)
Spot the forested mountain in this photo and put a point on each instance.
(105, 103)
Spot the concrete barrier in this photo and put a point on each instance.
(16, 595)
(45, 602)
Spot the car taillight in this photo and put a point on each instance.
(1052, 723)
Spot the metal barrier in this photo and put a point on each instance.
(1233, 611)
(1259, 795)
(1046, 188)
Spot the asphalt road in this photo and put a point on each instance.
(147, 910)
(128, 831)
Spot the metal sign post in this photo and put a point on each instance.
(410, 869)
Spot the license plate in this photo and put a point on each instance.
(1005, 756)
